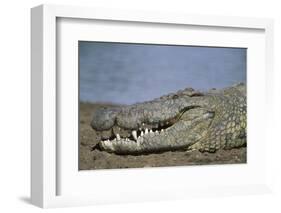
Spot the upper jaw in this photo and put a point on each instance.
(152, 114)
(130, 122)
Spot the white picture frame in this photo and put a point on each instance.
(47, 165)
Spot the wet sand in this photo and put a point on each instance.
(90, 158)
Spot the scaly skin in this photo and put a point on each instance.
(184, 120)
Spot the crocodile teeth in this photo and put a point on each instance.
(118, 136)
(156, 132)
(150, 131)
(134, 133)
(146, 131)
(141, 133)
(162, 130)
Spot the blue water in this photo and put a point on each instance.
(130, 73)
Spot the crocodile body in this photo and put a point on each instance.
(187, 119)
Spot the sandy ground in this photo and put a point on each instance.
(95, 159)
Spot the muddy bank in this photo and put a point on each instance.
(95, 159)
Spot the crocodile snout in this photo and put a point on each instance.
(104, 118)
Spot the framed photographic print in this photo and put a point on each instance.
(133, 128)
(149, 106)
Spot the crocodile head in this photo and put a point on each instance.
(175, 121)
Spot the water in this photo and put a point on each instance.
(130, 73)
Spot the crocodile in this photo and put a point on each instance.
(186, 120)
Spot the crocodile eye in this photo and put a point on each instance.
(175, 96)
